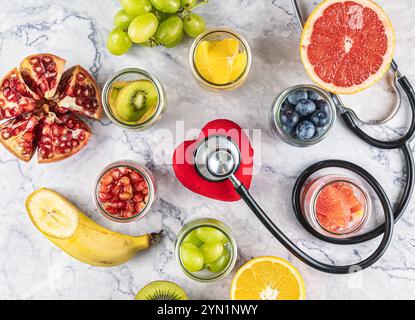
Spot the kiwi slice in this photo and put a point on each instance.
(161, 290)
(135, 99)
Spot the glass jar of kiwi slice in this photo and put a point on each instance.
(134, 99)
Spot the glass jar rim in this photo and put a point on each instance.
(143, 171)
(276, 121)
(213, 223)
(107, 107)
(330, 179)
(201, 79)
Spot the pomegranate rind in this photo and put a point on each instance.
(29, 74)
(372, 79)
(12, 144)
(6, 106)
(66, 101)
(47, 131)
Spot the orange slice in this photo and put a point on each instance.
(268, 278)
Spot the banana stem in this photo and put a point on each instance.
(155, 237)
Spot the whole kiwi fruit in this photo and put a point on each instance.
(161, 290)
(135, 99)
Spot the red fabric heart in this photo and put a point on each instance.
(186, 172)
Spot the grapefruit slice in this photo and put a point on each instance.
(332, 209)
(347, 45)
(339, 207)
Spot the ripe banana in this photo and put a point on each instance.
(79, 236)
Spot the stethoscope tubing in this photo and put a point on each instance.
(403, 143)
(307, 259)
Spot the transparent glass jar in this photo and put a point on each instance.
(144, 173)
(215, 35)
(311, 193)
(133, 74)
(205, 275)
(278, 128)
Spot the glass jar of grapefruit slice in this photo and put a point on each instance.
(336, 206)
(220, 59)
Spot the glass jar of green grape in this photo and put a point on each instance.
(206, 250)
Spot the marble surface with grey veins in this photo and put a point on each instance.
(32, 268)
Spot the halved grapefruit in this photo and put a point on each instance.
(347, 45)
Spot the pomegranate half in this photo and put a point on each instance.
(39, 101)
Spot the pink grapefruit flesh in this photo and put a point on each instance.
(338, 207)
(347, 46)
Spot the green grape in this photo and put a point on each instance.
(194, 25)
(123, 19)
(169, 30)
(210, 235)
(143, 27)
(149, 43)
(168, 6)
(193, 239)
(118, 42)
(161, 15)
(211, 251)
(191, 257)
(177, 42)
(220, 264)
(136, 7)
(188, 4)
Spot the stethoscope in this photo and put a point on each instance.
(217, 158)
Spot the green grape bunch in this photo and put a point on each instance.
(151, 23)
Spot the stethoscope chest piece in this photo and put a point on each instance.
(217, 158)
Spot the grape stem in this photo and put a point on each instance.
(200, 4)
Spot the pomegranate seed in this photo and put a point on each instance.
(125, 196)
(128, 189)
(104, 188)
(5, 134)
(142, 205)
(103, 196)
(80, 77)
(124, 170)
(141, 186)
(28, 136)
(107, 179)
(119, 205)
(135, 176)
(125, 181)
(138, 198)
(115, 174)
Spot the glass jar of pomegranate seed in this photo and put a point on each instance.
(124, 191)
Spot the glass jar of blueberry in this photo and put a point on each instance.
(303, 115)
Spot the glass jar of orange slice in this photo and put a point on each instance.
(220, 59)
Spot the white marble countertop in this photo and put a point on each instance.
(32, 268)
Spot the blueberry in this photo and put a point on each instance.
(322, 105)
(287, 130)
(320, 131)
(289, 117)
(286, 105)
(305, 107)
(305, 130)
(313, 95)
(320, 118)
(296, 96)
